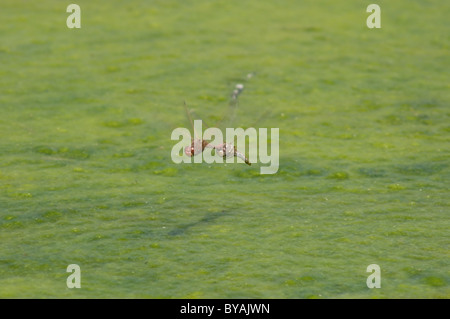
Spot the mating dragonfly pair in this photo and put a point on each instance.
(224, 150)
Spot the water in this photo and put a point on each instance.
(86, 176)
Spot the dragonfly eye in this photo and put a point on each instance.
(189, 151)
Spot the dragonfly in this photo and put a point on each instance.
(224, 150)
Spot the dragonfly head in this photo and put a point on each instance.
(195, 148)
(189, 150)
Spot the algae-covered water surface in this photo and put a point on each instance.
(86, 175)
